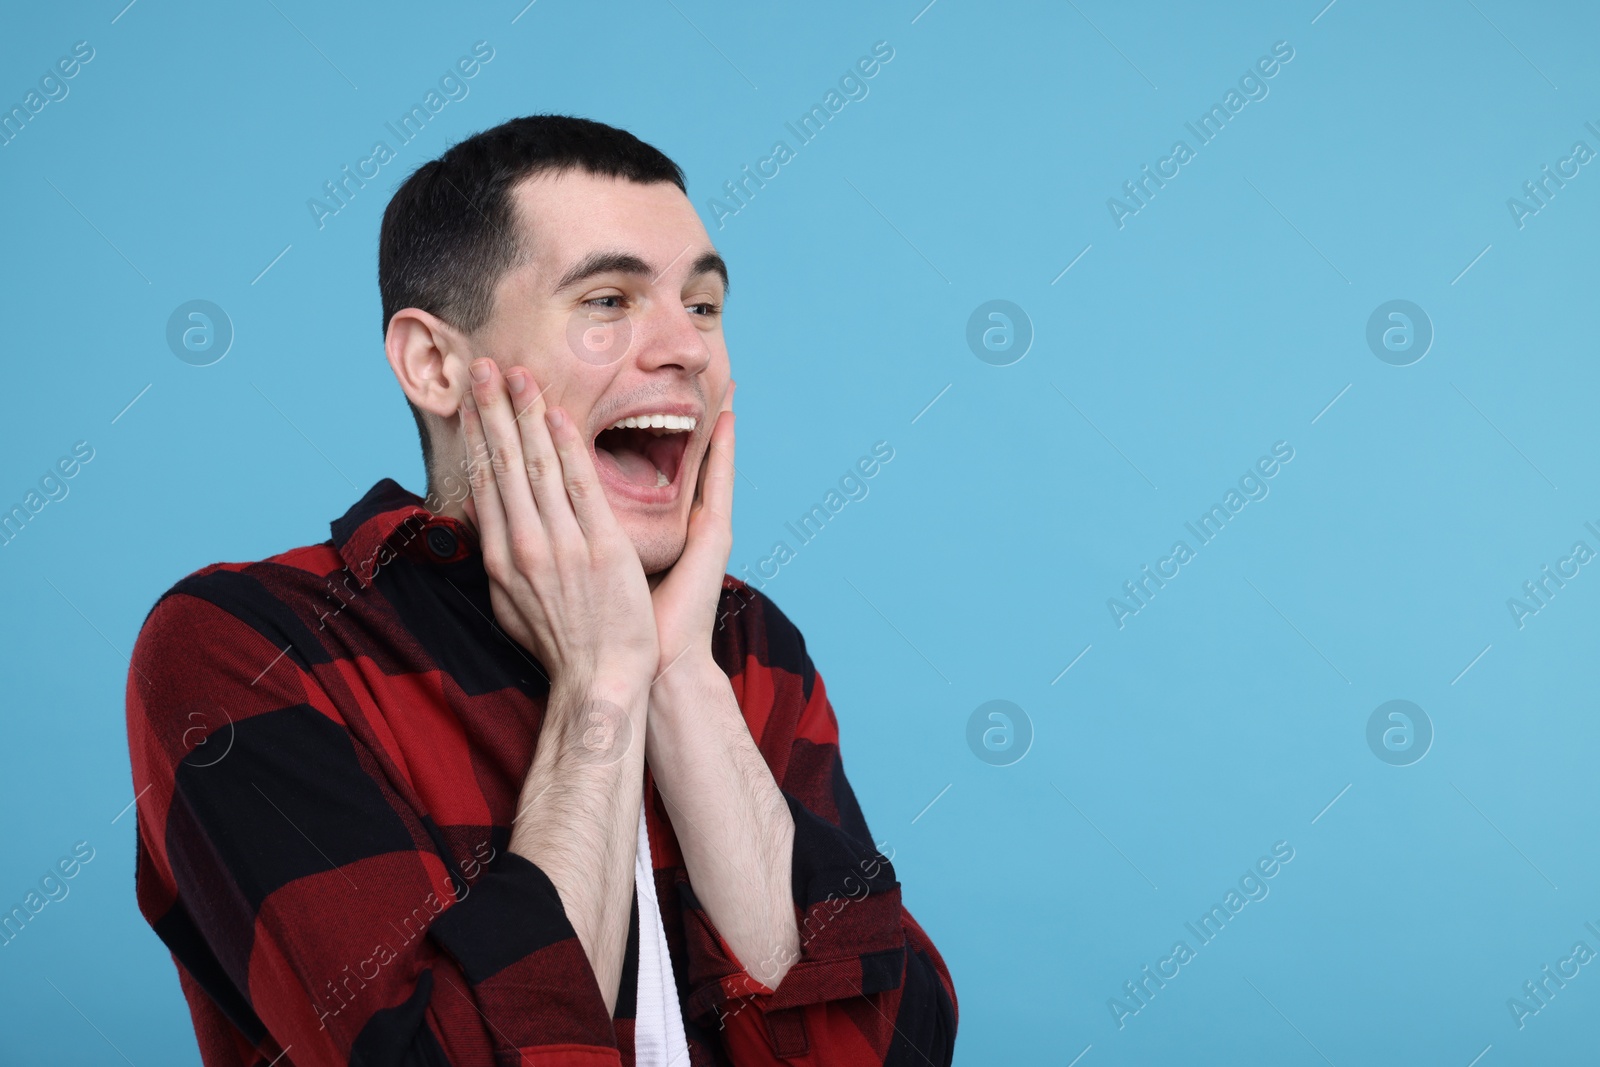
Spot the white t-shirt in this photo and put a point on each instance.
(658, 1021)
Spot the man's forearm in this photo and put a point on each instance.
(578, 815)
(733, 824)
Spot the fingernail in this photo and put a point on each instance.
(518, 382)
(480, 371)
(556, 418)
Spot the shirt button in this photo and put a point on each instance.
(442, 542)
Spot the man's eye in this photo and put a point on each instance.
(599, 301)
(706, 308)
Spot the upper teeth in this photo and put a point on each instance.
(657, 422)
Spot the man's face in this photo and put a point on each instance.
(619, 314)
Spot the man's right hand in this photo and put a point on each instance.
(565, 582)
(564, 579)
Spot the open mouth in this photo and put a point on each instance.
(645, 458)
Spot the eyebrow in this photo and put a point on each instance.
(628, 263)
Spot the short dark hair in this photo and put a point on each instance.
(449, 232)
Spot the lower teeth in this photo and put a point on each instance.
(662, 479)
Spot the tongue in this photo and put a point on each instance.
(634, 466)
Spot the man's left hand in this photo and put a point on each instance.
(685, 597)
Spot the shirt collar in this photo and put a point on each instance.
(391, 521)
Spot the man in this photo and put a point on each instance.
(395, 788)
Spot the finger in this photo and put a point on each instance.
(711, 520)
(717, 494)
(705, 460)
(485, 496)
(539, 459)
(578, 476)
(727, 396)
(524, 531)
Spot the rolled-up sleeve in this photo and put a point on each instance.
(303, 899)
(867, 986)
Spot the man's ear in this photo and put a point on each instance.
(429, 358)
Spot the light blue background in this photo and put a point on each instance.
(1222, 318)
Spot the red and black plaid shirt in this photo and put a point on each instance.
(328, 747)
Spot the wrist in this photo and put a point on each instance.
(625, 684)
(695, 671)
(592, 723)
(694, 713)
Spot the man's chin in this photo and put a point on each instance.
(659, 542)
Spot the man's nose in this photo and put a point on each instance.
(668, 336)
